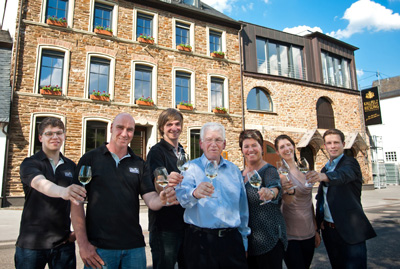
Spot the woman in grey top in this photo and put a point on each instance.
(297, 210)
(267, 240)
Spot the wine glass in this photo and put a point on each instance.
(283, 169)
(161, 176)
(303, 166)
(183, 162)
(255, 181)
(84, 177)
(211, 171)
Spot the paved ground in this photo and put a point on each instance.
(381, 205)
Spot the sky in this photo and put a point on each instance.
(372, 26)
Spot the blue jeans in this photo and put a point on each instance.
(134, 258)
(60, 257)
(166, 249)
(343, 255)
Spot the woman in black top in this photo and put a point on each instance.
(267, 240)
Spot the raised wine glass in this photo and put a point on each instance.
(303, 166)
(161, 176)
(182, 162)
(283, 169)
(84, 177)
(211, 171)
(255, 181)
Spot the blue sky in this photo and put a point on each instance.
(372, 26)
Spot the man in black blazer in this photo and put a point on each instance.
(339, 212)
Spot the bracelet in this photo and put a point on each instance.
(294, 192)
(273, 194)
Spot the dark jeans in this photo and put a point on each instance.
(272, 259)
(300, 253)
(206, 250)
(61, 257)
(166, 249)
(343, 255)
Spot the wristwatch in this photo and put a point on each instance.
(273, 194)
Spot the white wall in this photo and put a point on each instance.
(10, 13)
(390, 127)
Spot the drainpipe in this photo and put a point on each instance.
(241, 79)
(3, 194)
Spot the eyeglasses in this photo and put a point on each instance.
(51, 134)
(217, 140)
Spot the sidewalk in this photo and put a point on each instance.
(10, 217)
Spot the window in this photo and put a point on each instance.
(217, 92)
(144, 24)
(190, 2)
(279, 59)
(37, 145)
(99, 75)
(103, 15)
(215, 41)
(336, 70)
(34, 144)
(57, 8)
(182, 32)
(258, 99)
(96, 134)
(325, 117)
(195, 150)
(182, 87)
(139, 141)
(391, 156)
(143, 81)
(51, 68)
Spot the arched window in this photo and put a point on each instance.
(325, 117)
(258, 99)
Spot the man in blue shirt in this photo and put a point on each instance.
(218, 230)
(339, 212)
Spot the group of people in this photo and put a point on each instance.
(188, 226)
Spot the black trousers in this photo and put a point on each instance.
(300, 253)
(273, 259)
(208, 250)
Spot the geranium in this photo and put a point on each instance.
(219, 53)
(148, 99)
(96, 93)
(52, 88)
(185, 46)
(105, 94)
(54, 18)
(108, 28)
(147, 37)
(221, 108)
(184, 103)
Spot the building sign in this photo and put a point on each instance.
(371, 106)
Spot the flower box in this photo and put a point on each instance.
(183, 107)
(56, 23)
(100, 98)
(144, 103)
(103, 32)
(219, 111)
(144, 40)
(216, 55)
(49, 92)
(179, 47)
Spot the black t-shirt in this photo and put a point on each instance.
(45, 221)
(169, 218)
(112, 215)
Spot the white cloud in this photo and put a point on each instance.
(367, 15)
(266, 1)
(360, 73)
(221, 5)
(302, 30)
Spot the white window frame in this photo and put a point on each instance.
(84, 124)
(112, 73)
(114, 15)
(33, 130)
(155, 23)
(71, 8)
(223, 38)
(192, 85)
(64, 85)
(191, 32)
(226, 92)
(189, 129)
(153, 80)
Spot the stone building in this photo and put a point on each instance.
(68, 57)
(301, 86)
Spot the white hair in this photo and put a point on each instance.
(212, 126)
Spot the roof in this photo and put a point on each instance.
(5, 39)
(387, 85)
(331, 39)
(5, 87)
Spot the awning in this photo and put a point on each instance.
(312, 138)
(354, 140)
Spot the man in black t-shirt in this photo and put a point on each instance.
(110, 234)
(166, 226)
(45, 236)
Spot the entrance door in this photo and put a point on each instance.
(138, 143)
(308, 153)
(270, 155)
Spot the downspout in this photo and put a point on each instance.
(3, 194)
(241, 79)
